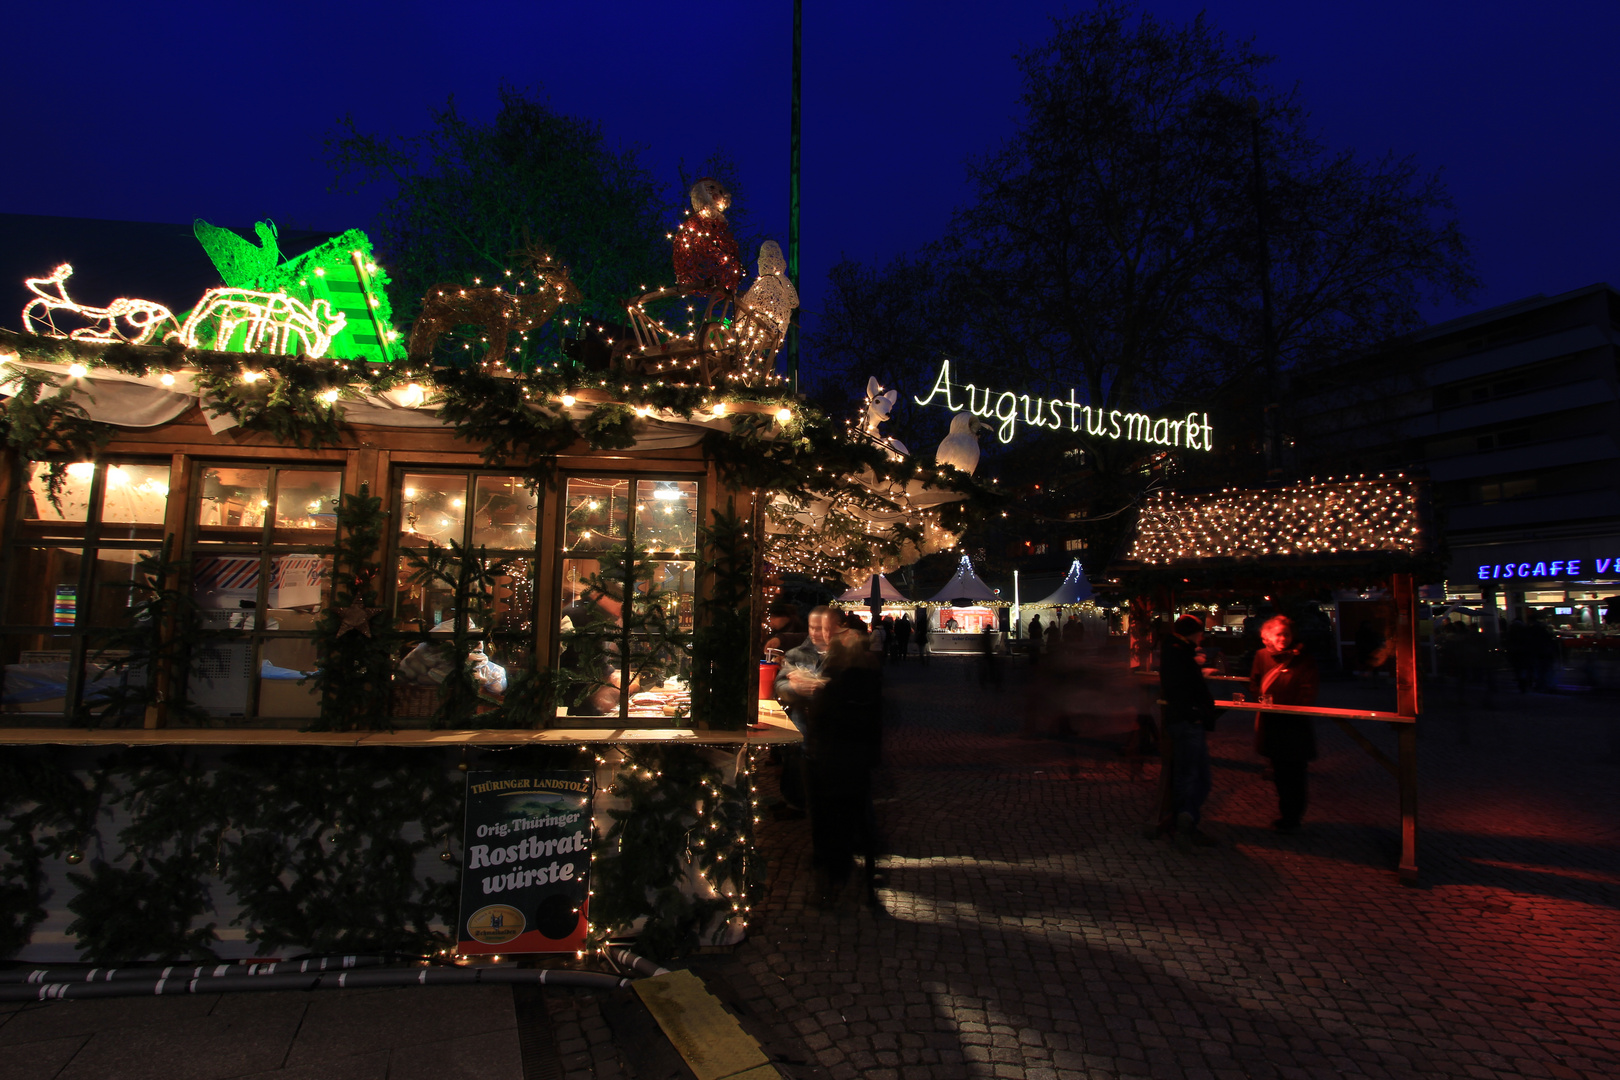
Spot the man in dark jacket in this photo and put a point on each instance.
(1285, 675)
(843, 742)
(1189, 714)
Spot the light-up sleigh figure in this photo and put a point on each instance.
(274, 322)
(134, 322)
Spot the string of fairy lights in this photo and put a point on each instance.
(1313, 517)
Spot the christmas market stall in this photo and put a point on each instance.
(874, 599)
(963, 611)
(1073, 598)
(301, 569)
(1290, 550)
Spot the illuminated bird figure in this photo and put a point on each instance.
(961, 447)
(766, 309)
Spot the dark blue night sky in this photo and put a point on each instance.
(216, 110)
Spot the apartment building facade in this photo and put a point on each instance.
(1514, 415)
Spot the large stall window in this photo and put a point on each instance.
(261, 574)
(464, 573)
(628, 577)
(75, 623)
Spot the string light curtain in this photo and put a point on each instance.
(1314, 517)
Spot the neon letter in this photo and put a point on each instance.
(941, 385)
(1007, 413)
(1113, 419)
(975, 407)
(1192, 432)
(1074, 407)
(1485, 573)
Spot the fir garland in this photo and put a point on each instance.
(355, 673)
(721, 663)
(321, 848)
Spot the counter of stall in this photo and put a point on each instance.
(963, 630)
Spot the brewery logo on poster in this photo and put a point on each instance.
(526, 862)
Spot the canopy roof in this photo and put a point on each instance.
(967, 588)
(877, 586)
(1074, 590)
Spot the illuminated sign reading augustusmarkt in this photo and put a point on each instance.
(1191, 431)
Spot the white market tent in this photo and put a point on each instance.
(1074, 590)
(876, 587)
(966, 589)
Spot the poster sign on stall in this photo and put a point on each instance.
(525, 862)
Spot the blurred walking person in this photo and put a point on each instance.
(1284, 674)
(1189, 715)
(843, 743)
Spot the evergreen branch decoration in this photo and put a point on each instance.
(320, 848)
(721, 663)
(608, 427)
(469, 576)
(46, 812)
(162, 628)
(55, 423)
(354, 673)
(680, 818)
(149, 900)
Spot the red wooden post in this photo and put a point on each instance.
(1407, 705)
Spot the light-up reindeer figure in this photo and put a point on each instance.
(135, 322)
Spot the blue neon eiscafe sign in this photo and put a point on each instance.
(1545, 568)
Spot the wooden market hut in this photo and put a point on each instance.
(1306, 538)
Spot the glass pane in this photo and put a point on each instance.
(114, 687)
(597, 514)
(661, 625)
(221, 677)
(43, 587)
(592, 630)
(36, 674)
(434, 508)
(425, 592)
(283, 665)
(301, 584)
(511, 604)
(672, 585)
(226, 589)
(137, 494)
(231, 505)
(118, 584)
(504, 513)
(666, 516)
(306, 506)
(64, 517)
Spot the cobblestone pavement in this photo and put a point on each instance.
(1034, 932)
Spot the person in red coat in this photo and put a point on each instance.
(1285, 675)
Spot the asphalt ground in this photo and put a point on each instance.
(1030, 930)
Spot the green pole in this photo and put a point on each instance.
(793, 200)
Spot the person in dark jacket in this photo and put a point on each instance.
(1189, 714)
(842, 744)
(1521, 653)
(1284, 675)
